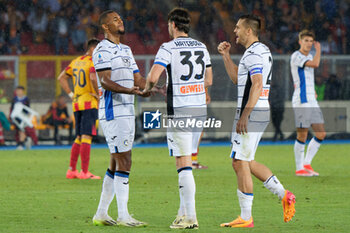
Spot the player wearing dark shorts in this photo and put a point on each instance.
(85, 103)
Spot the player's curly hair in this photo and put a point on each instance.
(306, 32)
(253, 22)
(181, 18)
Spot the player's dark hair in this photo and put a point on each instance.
(92, 43)
(20, 87)
(103, 17)
(181, 18)
(306, 32)
(253, 22)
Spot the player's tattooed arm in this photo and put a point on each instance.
(231, 68)
(109, 85)
(153, 77)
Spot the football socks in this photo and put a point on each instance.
(188, 186)
(312, 149)
(275, 186)
(85, 148)
(121, 187)
(107, 194)
(245, 202)
(299, 148)
(74, 155)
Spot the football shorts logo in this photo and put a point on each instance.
(126, 143)
(151, 120)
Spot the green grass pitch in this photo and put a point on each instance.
(36, 197)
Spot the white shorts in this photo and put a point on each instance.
(307, 114)
(244, 146)
(183, 142)
(119, 134)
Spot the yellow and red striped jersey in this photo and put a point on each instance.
(79, 69)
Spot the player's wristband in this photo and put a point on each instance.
(71, 94)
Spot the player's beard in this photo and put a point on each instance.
(121, 32)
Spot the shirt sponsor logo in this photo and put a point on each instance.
(193, 88)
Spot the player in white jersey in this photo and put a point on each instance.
(189, 72)
(119, 80)
(306, 110)
(252, 78)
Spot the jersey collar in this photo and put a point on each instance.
(253, 43)
(118, 45)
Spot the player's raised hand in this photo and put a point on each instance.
(224, 48)
(317, 45)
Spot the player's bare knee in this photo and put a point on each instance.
(124, 161)
(236, 164)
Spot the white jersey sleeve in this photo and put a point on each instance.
(102, 59)
(254, 63)
(134, 66)
(299, 59)
(163, 56)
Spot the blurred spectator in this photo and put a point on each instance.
(333, 88)
(57, 116)
(339, 35)
(38, 22)
(22, 137)
(79, 32)
(13, 20)
(61, 28)
(320, 87)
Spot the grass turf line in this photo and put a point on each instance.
(36, 197)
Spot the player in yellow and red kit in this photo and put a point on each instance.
(85, 104)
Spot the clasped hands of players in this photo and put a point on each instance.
(136, 91)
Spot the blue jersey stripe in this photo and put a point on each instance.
(301, 74)
(109, 106)
(160, 63)
(136, 71)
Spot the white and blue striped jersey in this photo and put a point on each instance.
(257, 59)
(119, 59)
(185, 60)
(303, 78)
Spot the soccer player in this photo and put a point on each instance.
(252, 77)
(306, 110)
(85, 100)
(188, 65)
(119, 80)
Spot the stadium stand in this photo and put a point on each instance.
(46, 26)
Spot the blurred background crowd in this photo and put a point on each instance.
(62, 26)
